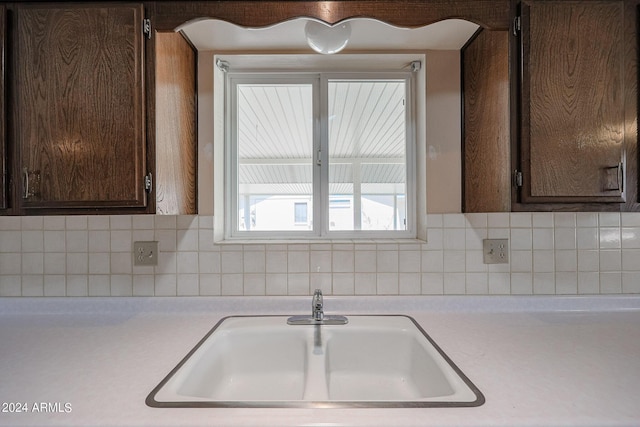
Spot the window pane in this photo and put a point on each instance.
(275, 152)
(367, 154)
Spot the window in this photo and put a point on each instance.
(331, 148)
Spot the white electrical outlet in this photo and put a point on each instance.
(495, 251)
(145, 253)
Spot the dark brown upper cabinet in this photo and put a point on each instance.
(79, 107)
(576, 150)
(3, 129)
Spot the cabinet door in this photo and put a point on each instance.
(573, 106)
(79, 99)
(3, 129)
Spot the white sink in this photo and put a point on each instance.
(260, 361)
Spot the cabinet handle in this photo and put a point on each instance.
(613, 178)
(30, 183)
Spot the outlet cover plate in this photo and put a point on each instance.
(495, 251)
(145, 253)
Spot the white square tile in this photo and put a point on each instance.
(10, 223)
(454, 283)
(409, 261)
(167, 263)
(477, 220)
(498, 220)
(77, 241)
(520, 220)
(610, 260)
(185, 222)
(53, 223)
(31, 223)
(205, 222)
(231, 262)
(187, 240)
(566, 260)
(587, 238)
(565, 238)
(54, 241)
(610, 238)
(298, 284)
(454, 262)
(587, 219)
(254, 262)
(165, 222)
(434, 239)
(254, 284)
(298, 261)
(566, 283)
(165, 285)
(542, 238)
(143, 285)
(342, 261)
(365, 283)
(564, 219)
(99, 263)
(98, 222)
(55, 285)
(77, 263)
(320, 261)
(55, 263)
(474, 238)
(454, 220)
(387, 284)
(320, 281)
(210, 284)
(542, 220)
(121, 241)
(544, 283)
(343, 284)
(32, 241)
(611, 282)
(232, 284)
(432, 284)
(76, 222)
(631, 282)
(142, 222)
(454, 238)
(588, 282)
(474, 262)
(499, 233)
(187, 285)
(631, 260)
(99, 240)
(276, 284)
(499, 283)
(543, 262)
(120, 222)
(588, 260)
(205, 240)
(409, 283)
(10, 241)
(167, 240)
(32, 263)
(630, 219)
(187, 262)
(365, 261)
(32, 285)
(121, 285)
(521, 239)
(435, 221)
(99, 286)
(477, 284)
(432, 261)
(521, 283)
(138, 236)
(609, 219)
(10, 286)
(630, 237)
(77, 285)
(121, 263)
(276, 261)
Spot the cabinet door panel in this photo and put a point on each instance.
(573, 101)
(4, 163)
(79, 105)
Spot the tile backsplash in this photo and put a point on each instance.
(550, 253)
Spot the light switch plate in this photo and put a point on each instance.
(145, 253)
(495, 251)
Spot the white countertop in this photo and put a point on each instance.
(539, 361)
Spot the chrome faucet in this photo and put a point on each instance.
(316, 306)
(317, 314)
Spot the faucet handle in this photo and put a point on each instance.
(316, 305)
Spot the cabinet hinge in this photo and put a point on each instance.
(516, 25)
(517, 178)
(148, 182)
(146, 27)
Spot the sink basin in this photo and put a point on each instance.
(260, 361)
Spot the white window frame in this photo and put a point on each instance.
(320, 175)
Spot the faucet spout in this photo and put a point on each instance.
(317, 311)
